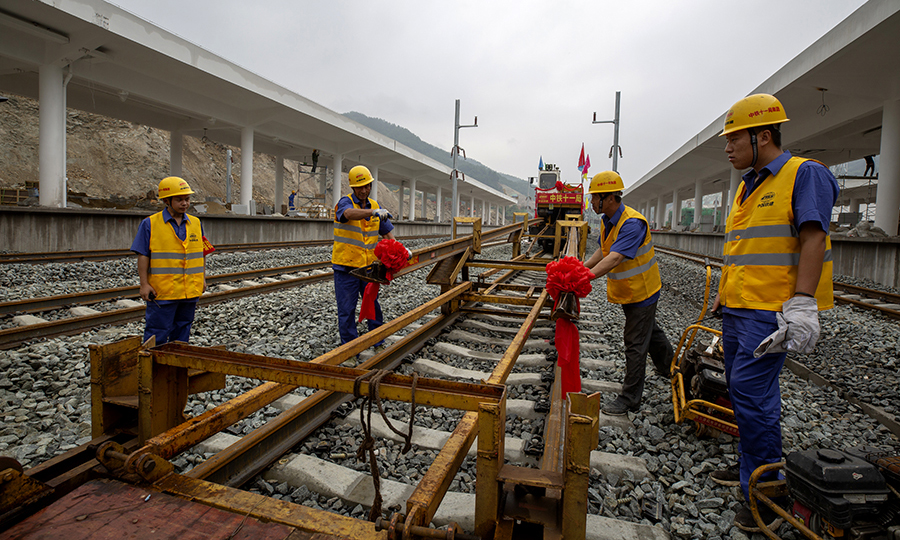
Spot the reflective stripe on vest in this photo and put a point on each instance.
(762, 247)
(176, 266)
(355, 240)
(632, 280)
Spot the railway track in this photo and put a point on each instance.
(882, 301)
(99, 255)
(132, 311)
(301, 448)
(509, 345)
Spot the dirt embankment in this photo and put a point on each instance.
(120, 161)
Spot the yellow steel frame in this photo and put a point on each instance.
(696, 409)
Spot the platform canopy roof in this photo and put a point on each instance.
(857, 62)
(125, 67)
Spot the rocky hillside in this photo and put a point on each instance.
(115, 160)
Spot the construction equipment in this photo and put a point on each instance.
(699, 388)
(853, 494)
(554, 201)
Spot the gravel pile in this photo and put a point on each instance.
(45, 394)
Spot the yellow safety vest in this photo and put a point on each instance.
(176, 266)
(633, 280)
(762, 247)
(355, 240)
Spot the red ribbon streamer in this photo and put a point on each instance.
(568, 349)
(394, 257)
(568, 275)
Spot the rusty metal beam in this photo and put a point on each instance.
(430, 392)
(243, 460)
(181, 437)
(526, 266)
(269, 509)
(499, 299)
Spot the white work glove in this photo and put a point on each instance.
(408, 254)
(798, 328)
(382, 213)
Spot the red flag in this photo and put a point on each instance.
(581, 158)
(587, 165)
(207, 247)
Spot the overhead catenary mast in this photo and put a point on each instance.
(454, 175)
(616, 151)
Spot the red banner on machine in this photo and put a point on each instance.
(559, 198)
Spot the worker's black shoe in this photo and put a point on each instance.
(726, 477)
(617, 408)
(744, 521)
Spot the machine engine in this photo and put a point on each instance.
(850, 494)
(554, 200)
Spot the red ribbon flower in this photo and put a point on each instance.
(394, 257)
(568, 275)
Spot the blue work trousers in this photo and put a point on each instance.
(755, 394)
(170, 320)
(348, 289)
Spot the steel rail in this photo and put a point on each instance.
(48, 303)
(13, 337)
(97, 255)
(426, 498)
(244, 459)
(279, 370)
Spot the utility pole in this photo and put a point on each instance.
(454, 175)
(616, 150)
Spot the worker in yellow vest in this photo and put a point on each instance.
(171, 264)
(358, 222)
(775, 278)
(627, 259)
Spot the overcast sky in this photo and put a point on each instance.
(533, 72)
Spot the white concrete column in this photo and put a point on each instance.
(660, 217)
(51, 160)
(733, 184)
(888, 193)
(279, 182)
(438, 216)
(412, 199)
(176, 150)
(854, 205)
(723, 208)
(472, 206)
(502, 211)
(402, 198)
(676, 210)
(484, 216)
(336, 169)
(246, 164)
(698, 201)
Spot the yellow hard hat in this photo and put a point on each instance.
(171, 186)
(753, 111)
(606, 182)
(360, 176)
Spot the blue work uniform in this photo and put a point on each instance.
(168, 320)
(753, 382)
(348, 289)
(642, 334)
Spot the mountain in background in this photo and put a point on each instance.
(469, 167)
